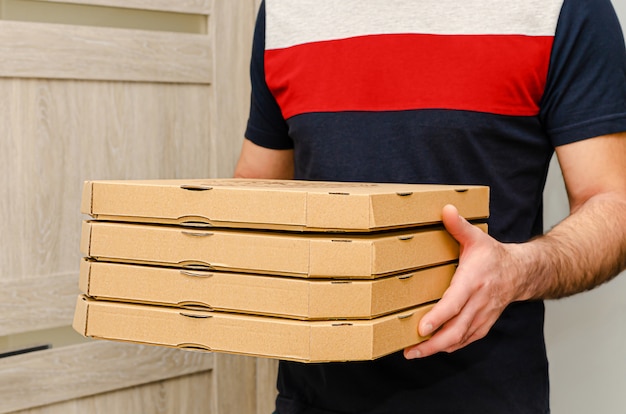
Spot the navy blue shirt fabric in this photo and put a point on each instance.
(506, 372)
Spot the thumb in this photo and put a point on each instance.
(457, 226)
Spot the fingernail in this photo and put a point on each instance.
(427, 330)
(412, 354)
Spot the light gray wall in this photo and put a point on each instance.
(586, 334)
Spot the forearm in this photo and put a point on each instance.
(585, 250)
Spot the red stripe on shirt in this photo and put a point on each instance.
(501, 74)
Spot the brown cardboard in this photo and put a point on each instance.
(280, 204)
(306, 341)
(269, 295)
(361, 256)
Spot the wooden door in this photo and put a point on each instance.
(110, 89)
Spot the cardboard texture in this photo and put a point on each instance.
(363, 256)
(268, 295)
(280, 204)
(306, 341)
(296, 270)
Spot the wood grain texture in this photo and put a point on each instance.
(37, 303)
(87, 369)
(180, 6)
(234, 389)
(161, 116)
(40, 50)
(231, 29)
(182, 395)
(60, 133)
(244, 384)
(266, 392)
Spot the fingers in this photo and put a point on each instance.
(472, 303)
(452, 319)
(450, 305)
(462, 231)
(468, 326)
(459, 292)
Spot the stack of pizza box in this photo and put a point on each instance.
(296, 270)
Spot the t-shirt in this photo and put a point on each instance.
(437, 91)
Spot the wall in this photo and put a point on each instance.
(586, 334)
(110, 89)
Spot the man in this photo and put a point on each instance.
(453, 91)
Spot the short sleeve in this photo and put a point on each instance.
(585, 94)
(266, 125)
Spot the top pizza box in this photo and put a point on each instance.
(280, 204)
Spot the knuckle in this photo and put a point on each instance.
(458, 338)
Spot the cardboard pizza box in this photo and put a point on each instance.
(306, 341)
(320, 255)
(260, 294)
(280, 204)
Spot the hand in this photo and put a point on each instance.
(485, 282)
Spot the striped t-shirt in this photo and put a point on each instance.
(437, 91)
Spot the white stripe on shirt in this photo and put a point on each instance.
(293, 22)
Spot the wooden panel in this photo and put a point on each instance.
(39, 50)
(266, 374)
(234, 388)
(76, 371)
(37, 303)
(56, 134)
(233, 23)
(181, 6)
(244, 385)
(102, 16)
(182, 395)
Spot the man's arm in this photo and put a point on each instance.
(260, 162)
(584, 250)
(593, 242)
